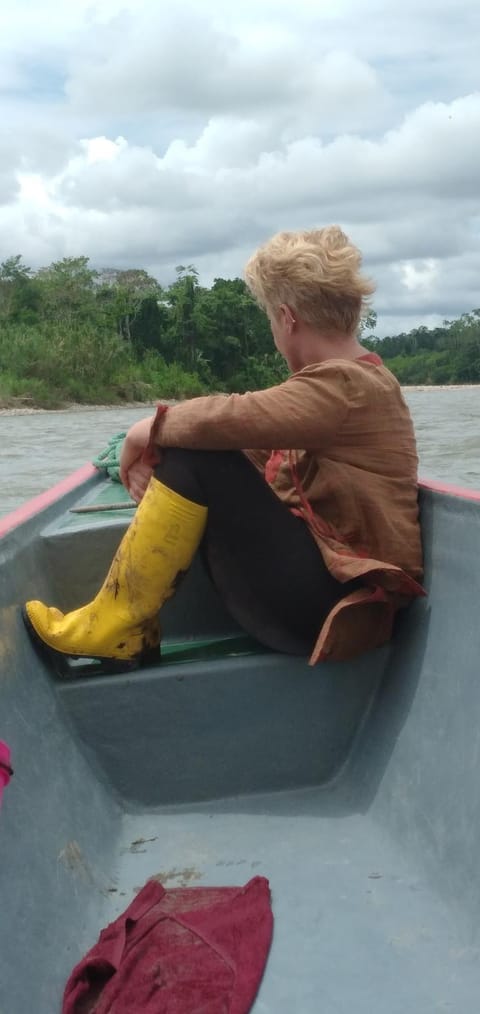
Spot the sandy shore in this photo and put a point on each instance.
(148, 405)
(439, 387)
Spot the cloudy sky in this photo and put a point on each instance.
(150, 134)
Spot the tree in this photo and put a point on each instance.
(230, 326)
(182, 295)
(149, 328)
(68, 291)
(12, 270)
(369, 322)
(18, 291)
(121, 295)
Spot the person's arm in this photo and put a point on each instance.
(305, 411)
(134, 473)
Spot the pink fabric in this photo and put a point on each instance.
(198, 950)
(273, 466)
(5, 769)
(371, 357)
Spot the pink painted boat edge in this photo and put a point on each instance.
(44, 500)
(449, 490)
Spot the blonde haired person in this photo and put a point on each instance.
(303, 496)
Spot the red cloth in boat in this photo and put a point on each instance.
(182, 951)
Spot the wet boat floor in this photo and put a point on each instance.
(356, 929)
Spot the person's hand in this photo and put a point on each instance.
(134, 445)
(138, 478)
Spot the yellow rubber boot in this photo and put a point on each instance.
(121, 622)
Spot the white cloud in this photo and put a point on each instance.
(419, 276)
(141, 135)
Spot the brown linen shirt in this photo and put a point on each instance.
(344, 459)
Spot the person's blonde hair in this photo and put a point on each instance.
(316, 273)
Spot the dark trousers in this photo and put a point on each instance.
(261, 558)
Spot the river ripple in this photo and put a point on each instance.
(38, 450)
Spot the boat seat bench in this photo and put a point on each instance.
(230, 718)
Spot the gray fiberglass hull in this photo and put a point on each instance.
(354, 787)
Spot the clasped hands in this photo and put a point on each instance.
(134, 472)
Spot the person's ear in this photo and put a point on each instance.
(288, 318)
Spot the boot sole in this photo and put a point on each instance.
(69, 666)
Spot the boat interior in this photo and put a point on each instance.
(353, 787)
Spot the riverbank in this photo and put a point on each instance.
(8, 410)
(74, 407)
(439, 387)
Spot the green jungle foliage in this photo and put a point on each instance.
(69, 334)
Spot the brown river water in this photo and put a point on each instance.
(40, 449)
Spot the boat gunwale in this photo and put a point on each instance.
(37, 504)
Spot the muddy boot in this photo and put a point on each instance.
(121, 624)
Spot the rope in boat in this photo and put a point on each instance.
(109, 458)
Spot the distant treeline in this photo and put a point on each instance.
(69, 333)
(449, 354)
